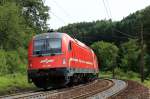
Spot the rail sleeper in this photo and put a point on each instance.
(119, 86)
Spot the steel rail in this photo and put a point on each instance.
(74, 92)
(39, 92)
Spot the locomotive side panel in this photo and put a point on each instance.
(82, 59)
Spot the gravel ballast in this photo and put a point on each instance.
(134, 90)
(118, 86)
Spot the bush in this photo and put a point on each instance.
(129, 56)
(147, 66)
(106, 53)
(3, 62)
(119, 73)
(12, 62)
(131, 74)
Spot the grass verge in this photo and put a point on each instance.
(10, 84)
(125, 76)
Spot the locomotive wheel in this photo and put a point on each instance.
(75, 79)
(60, 82)
(41, 83)
(86, 79)
(90, 77)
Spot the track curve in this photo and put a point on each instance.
(117, 88)
(102, 87)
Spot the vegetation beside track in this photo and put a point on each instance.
(13, 83)
(119, 74)
(10, 84)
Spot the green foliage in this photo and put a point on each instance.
(35, 14)
(119, 74)
(14, 82)
(19, 21)
(3, 62)
(10, 28)
(147, 65)
(106, 53)
(11, 62)
(93, 31)
(22, 52)
(130, 52)
(132, 25)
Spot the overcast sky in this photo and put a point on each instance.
(63, 12)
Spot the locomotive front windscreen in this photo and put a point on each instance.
(47, 46)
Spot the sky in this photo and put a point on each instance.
(64, 12)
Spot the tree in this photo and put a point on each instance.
(130, 52)
(93, 31)
(35, 14)
(106, 53)
(11, 26)
(19, 19)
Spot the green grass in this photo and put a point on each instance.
(11, 83)
(125, 76)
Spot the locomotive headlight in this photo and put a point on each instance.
(64, 61)
(30, 65)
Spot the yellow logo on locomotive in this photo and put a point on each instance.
(47, 61)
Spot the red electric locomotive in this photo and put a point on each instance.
(56, 59)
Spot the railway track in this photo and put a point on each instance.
(89, 90)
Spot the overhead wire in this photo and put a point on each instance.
(109, 8)
(124, 33)
(60, 19)
(61, 8)
(65, 12)
(108, 11)
(56, 16)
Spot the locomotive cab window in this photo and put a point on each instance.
(69, 46)
(47, 46)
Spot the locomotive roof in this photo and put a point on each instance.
(49, 35)
(57, 35)
(82, 44)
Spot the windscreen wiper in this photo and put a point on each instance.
(53, 54)
(39, 55)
